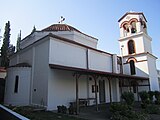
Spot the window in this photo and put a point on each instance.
(131, 47)
(126, 27)
(16, 84)
(133, 27)
(132, 67)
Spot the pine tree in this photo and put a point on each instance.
(5, 46)
(18, 41)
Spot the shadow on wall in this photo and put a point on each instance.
(139, 72)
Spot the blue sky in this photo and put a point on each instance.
(98, 18)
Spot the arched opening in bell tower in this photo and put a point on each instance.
(126, 29)
(144, 26)
(133, 27)
(131, 47)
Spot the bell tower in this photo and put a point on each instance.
(135, 46)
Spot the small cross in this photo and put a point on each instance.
(61, 20)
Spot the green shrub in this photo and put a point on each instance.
(59, 109)
(115, 107)
(62, 109)
(152, 109)
(144, 99)
(72, 109)
(151, 94)
(128, 97)
(121, 111)
(157, 96)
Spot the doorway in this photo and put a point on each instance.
(102, 91)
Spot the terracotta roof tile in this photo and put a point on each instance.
(64, 27)
(21, 65)
(60, 27)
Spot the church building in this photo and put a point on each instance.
(60, 64)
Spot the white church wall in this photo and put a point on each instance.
(139, 48)
(65, 34)
(62, 88)
(22, 96)
(139, 44)
(115, 90)
(147, 44)
(40, 73)
(86, 40)
(67, 54)
(142, 68)
(153, 73)
(124, 50)
(32, 38)
(13, 60)
(122, 34)
(82, 82)
(128, 17)
(115, 68)
(100, 61)
(126, 69)
(26, 56)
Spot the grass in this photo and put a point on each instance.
(32, 114)
(88, 112)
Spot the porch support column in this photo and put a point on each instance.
(149, 86)
(77, 93)
(110, 92)
(129, 81)
(95, 79)
(121, 80)
(137, 93)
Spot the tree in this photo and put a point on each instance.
(34, 29)
(11, 50)
(5, 46)
(18, 41)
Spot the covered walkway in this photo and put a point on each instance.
(78, 72)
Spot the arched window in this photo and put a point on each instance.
(131, 47)
(132, 67)
(133, 27)
(126, 27)
(16, 84)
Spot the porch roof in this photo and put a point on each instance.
(96, 72)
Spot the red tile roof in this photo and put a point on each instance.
(60, 27)
(64, 27)
(21, 65)
(2, 69)
(133, 13)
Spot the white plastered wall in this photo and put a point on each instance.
(67, 54)
(22, 96)
(153, 77)
(62, 88)
(40, 73)
(100, 61)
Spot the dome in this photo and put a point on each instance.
(60, 27)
